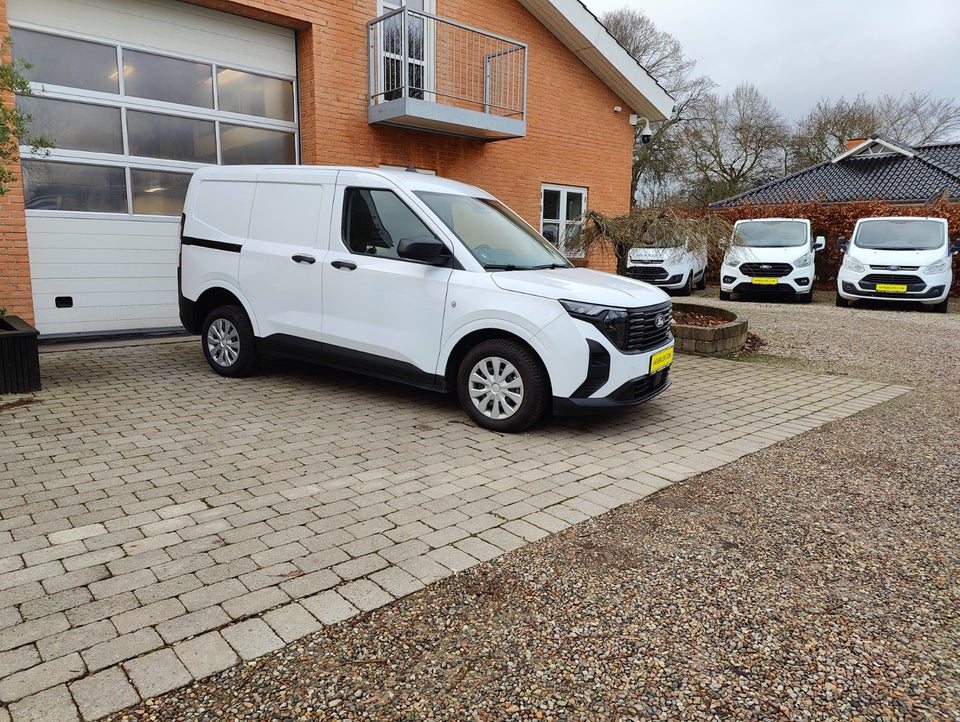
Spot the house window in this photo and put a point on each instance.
(131, 126)
(561, 215)
(419, 49)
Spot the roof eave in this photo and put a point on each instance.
(586, 37)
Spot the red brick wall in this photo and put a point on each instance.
(15, 289)
(573, 135)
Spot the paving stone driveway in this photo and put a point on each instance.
(159, 523)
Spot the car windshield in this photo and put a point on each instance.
(495, 235)
(772, 234)
(900, 234)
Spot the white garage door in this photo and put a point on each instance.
(136, 95)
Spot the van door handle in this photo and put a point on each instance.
(344, 264)
(304, 259)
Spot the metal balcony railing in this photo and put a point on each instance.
(436, 74)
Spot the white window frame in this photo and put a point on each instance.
(566, 225)
(125, 102)
(429, 51)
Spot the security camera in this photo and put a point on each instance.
(645, 133)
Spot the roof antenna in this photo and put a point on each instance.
(409, 168)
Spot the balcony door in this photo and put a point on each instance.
(418, 72)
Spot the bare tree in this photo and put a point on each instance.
(655, 164)
(822, 133)
(918, 118)
(736, 142)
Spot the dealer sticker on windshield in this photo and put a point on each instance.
(892, 287)
(760, 281)
(661, 359)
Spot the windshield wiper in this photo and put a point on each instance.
(503, 267)
(549, 265)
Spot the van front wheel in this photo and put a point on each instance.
(228, 342)
(502, 385)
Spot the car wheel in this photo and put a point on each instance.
(228, 342)
(842, 302)
(724, 295)
(805, 297)
(688, 286)
(940, 307)
(702, 283)
(502, 385)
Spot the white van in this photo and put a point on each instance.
(415, 279)
(673, 268)
(897, 259)
(770, 254)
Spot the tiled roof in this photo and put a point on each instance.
(914, 176)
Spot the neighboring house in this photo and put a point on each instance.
(530, 99)
(875, 169)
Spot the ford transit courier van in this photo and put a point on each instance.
(415, 279)
(897, 259)
(672, 267)
(770, 254)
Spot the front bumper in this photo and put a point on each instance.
(798, 281)
(631, 393)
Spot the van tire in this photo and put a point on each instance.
(486, 370)
(842, 302)
(702, 283)
(805, 297)
(228, 342)
(688, 287)
(724, 295)
(940, 307)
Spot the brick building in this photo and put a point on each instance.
(530, 99)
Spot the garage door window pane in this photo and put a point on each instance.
(74, 187)
(157, 193)
(252, 94)
(242, 145)
(74, 126)
(146, 75)
(65, 61)
(167, 136)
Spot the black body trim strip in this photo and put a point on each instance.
(215, 245)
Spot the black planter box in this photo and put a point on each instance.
(19, 356)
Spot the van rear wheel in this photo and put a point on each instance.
(502, 385)
(228, 342)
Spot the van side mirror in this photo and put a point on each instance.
(820, 243)
(425, 249)
(842, 243)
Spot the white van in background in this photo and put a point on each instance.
(897, 259)
(415, 279)
(673, 268)
(770, 255)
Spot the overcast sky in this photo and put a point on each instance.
(797, 53)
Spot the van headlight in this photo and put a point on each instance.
(852, 264)
(613, 322)
(937, 267)
(805, 260)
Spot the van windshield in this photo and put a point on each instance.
(495, 235)
(900, 234)
(772, 234)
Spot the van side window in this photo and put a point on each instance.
(375, 221)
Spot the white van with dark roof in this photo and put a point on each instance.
(415, 279)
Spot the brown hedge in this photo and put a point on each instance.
(833, 220)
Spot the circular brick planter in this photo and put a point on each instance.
(726, 338)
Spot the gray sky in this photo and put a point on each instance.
(797, 53)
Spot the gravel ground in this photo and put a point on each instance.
(814, 580)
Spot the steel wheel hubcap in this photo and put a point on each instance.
(496, 388)
(223, 342)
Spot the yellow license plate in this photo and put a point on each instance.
(760, 281)
(661, 359)
(892, 287)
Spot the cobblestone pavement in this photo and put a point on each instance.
(159, 523)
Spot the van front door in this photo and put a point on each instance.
(382, 314)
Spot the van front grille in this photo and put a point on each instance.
(644, 332)
(767, 270)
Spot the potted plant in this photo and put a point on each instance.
(19, 355)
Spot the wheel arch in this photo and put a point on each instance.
(216, 296)
(473, 338)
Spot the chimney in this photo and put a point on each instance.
(854, 142)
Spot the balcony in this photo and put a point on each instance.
(436, 75)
